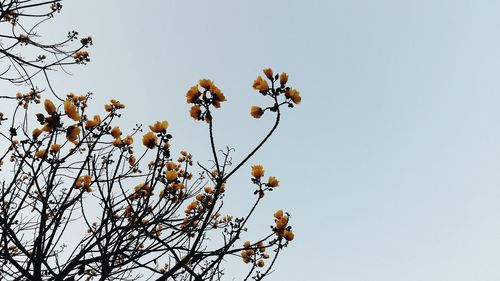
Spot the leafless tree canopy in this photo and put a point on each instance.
(82, 200)
(23, 52)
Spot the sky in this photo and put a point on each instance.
(389, 166)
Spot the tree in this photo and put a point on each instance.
(22, 51)
(140, 210)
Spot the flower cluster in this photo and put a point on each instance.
(281, 228)
(175, 177)
(51, 122)
(150, 140)
(292, 96)
(79, 101)
(72, 133)
(221, 221)
(71, 110)
(256, 111)
(96, 121)
(210, 95)
(41, 153)
(142, 187)
(10, 16)
(185, 157)
(114, 105)
(254, 253)
(185, 208)
(85, 182)
(257, 174)
(81, 56)
(159, 129)
(73, 107)
(191, 207)
(116, 133)
(54, 148)
(192, 218)
(25, 99)
(257, 171)
(72, 104)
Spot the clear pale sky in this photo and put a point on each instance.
(389, 167)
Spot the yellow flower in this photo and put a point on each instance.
(217, 93)
(171, 175)
(96, 120)
(273, 182)
(78, 183)
(81, 56)
(72, 133)
(257, 171)
(117, 142)
(283, 78)
(244, 254)
(246, 244)
(278, 214)
(50, 107)
(218, 98)
(205, 83)
(159, 127)
(117, 104)
(269, 73)
(36, 133)
(288, 235)
(193, 94)
(87, 180)
(256, 111)
(41, 153)
(128, 140)
(70, 110)
(260, 84)
(171, 165)
(294, 95)
(282, 222)
(116, 132)
(195, 112)
(150, 140)
(54, 148)
(108, 107)
(192, 205)
(260, 263)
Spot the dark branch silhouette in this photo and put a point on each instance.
(80, 200)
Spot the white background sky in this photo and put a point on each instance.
(389, 167)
